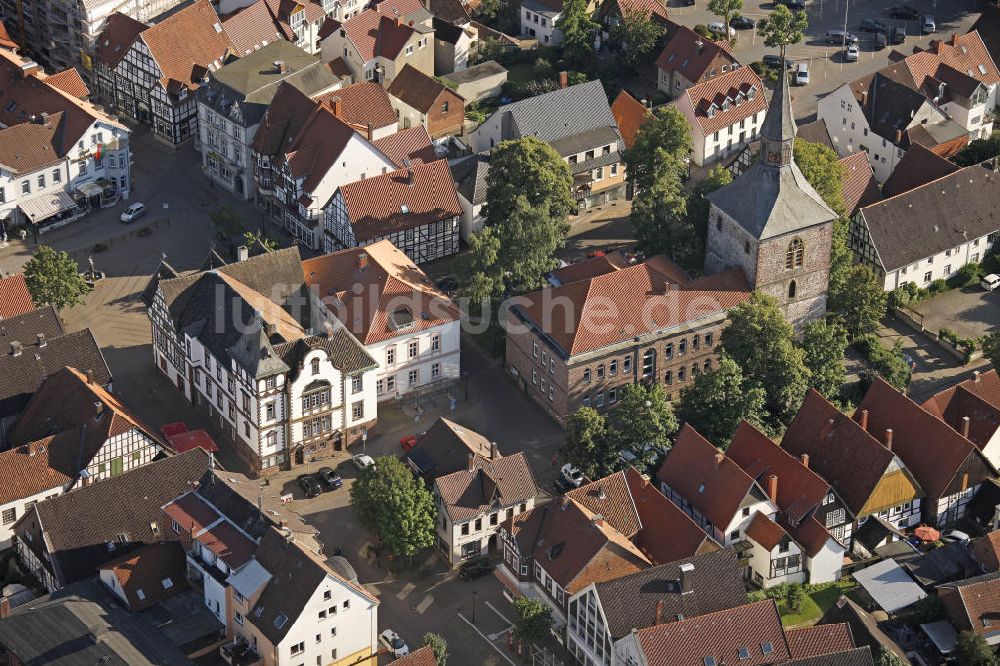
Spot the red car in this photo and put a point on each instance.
(408, 442)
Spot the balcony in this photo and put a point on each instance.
(239, 653)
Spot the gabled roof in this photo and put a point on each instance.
(252, 27)
(187, 44)
(15, 299)
(859, 187)
(957, 403)
(648, 9)
(765, 531)
(489, 482)
(974, 604)
(918, 167)
(988, 27)
(120, 31)
(951, 562)
(374, 34)
(727, 99)
(864, 627)
(470, 177)
(422, 657)
(931, 450)
(815, 132)
(691, 55)
(861, 656)
(607, 262)
(854, 466)
(649, 298)
(630, 602)
(408, 146)
(754, 627)
(889, 103)
(416, 89)
(448, 446)
(560, 113)
(453, 11)
(70, 82)
(610, 498)
(405, 199)
(150, 574)
(700, 473)
(317, 146)
(5, 39)
(986, 550)
(819, 639)
(283, 119)
(363, 104)
(629, 114)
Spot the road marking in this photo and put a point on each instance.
(492, 608)
(405, 591)
(425, 604)
(485, 638)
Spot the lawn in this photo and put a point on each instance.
(814, 604)
(520, 73)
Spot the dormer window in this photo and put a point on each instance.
(725, 105)
(711, 111)
(752, 92)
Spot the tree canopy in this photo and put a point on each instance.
(658, 218)
(824, 343)
(664, 135)
(973, 650)
(392, 503)
(439, 646)
(637, 36)
(718, 400)
(781, 28)
(532, 619)
(589, 446)
(726, 9)
(578, 32)
(692, 258)
(53, 278)
(858, 297)
(644, 422)
(822, 168)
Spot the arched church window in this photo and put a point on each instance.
(791, 289)
(795, 254)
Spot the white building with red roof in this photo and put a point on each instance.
(725, 113)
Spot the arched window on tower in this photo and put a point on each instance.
(791, 289)
(795, 254)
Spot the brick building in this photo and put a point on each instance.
(607, 325)
(421, 100)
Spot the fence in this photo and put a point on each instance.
(915, 320)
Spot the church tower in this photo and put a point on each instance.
(771, 222)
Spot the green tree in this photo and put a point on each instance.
(588, 444)
(822, 168)
(658, 218)
(53, 278)
(532, 619)
(392, 503)
(991, 348)
(885, 657)
(439, 646)
(886, 363)
(794, 594)
(824, 343)
(726, 10)
(644, 422)
(693, 259)
(858, 297)
(527, 200)
(718, 400)
(578, 33)
(664, 135)
(973, 650)
(226, 222)
(978, 150)
(637, 35)
(762, 343)
(782, 27)
(482, 280)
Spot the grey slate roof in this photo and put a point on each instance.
(943, 565)
(770, 201)
(470, 177)
(581, 142)
(630, 601)
(475, 72)
(934, 217)
(252, 81)
(559, 113)
(861, 656)
(346, 353)
(82, 626)
(77, 525)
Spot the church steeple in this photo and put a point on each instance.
(777, 133)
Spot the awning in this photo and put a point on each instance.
(89, 189)
(46, 205)
(942, 634)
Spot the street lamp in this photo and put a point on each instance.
(474, 594)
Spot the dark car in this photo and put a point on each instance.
(772, 60)
(309, 486)
(563, 486)
(742, 23)
(871, 25)
(794, 5)
(329, 478)
(904, 12)
(880, 41)
(897, 35)
(447, 284)
(475, 568)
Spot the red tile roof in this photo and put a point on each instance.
(413, 144)
(390, 279)
(682, 54)
(629, 114)
(375, 205)
(600, 265)
(963, 53)
(647, 8)
(15, 299)
(765, 531)
(363, 104)
(810, 534)
(725, 100)
(416, 89)
(492, 482)
(719, 635)
(184, 441)
(70, 82)
(974, 604)
(251, 27)
(859, 187)
(611, 498)
(986, 550)
(929, 448)
(27, 470)
(668, 534)
(228, 544)
(283, 120)
(640, 299)
(374, 34)
(151, 574)
(5, 39)
(422, 657)
(191, 513)
(977, 398)
(186, 43)
(819, 639)
(700, 473)
(317, 146)
(120, 31)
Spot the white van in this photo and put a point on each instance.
(802, 74)
(990, 282)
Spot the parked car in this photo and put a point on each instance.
(363, 461)
(852, 53)
(329, 478)
(951, 536)
(717, 28)
(904, 12)
(393, 642)
(447, 284)
(840, 37)
(772, 60)
(408, 442)
(990, 282)
(133, 213)
(802, 74)
(871, 25)
(897, 35)
(794, 5)
(928, 25)
(309, 486)
(742, 23)
(880, 41)
(571, 475)
(562, 486)
(475, 568)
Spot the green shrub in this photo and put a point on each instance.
(543, 69)
(886, 363)
(949, 335)
(966, 276)
(938, 286)
(703, 30)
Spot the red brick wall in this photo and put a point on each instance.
(440, 123)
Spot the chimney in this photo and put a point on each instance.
(699, 45)
(772, 487)
(965, 427)
(409, 176)
(98, 409)
(493, 451)
(371, 132)
(601, 495)
(281, 66)
(899, 137)
(975, 376)
(563, 79)
(90, 376)
(954, 39)
(864, 419)
(362, 261)
(242, 253)
(805, 459)
(41, 340)
(4, 607)
(864, 98)
(888, 438)
(15, 348)
(659, 612)
(327, 330)
(30, 68)
(719, 457)
(335, 106)
(597, 520)
(472, 460)
(687, 570)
